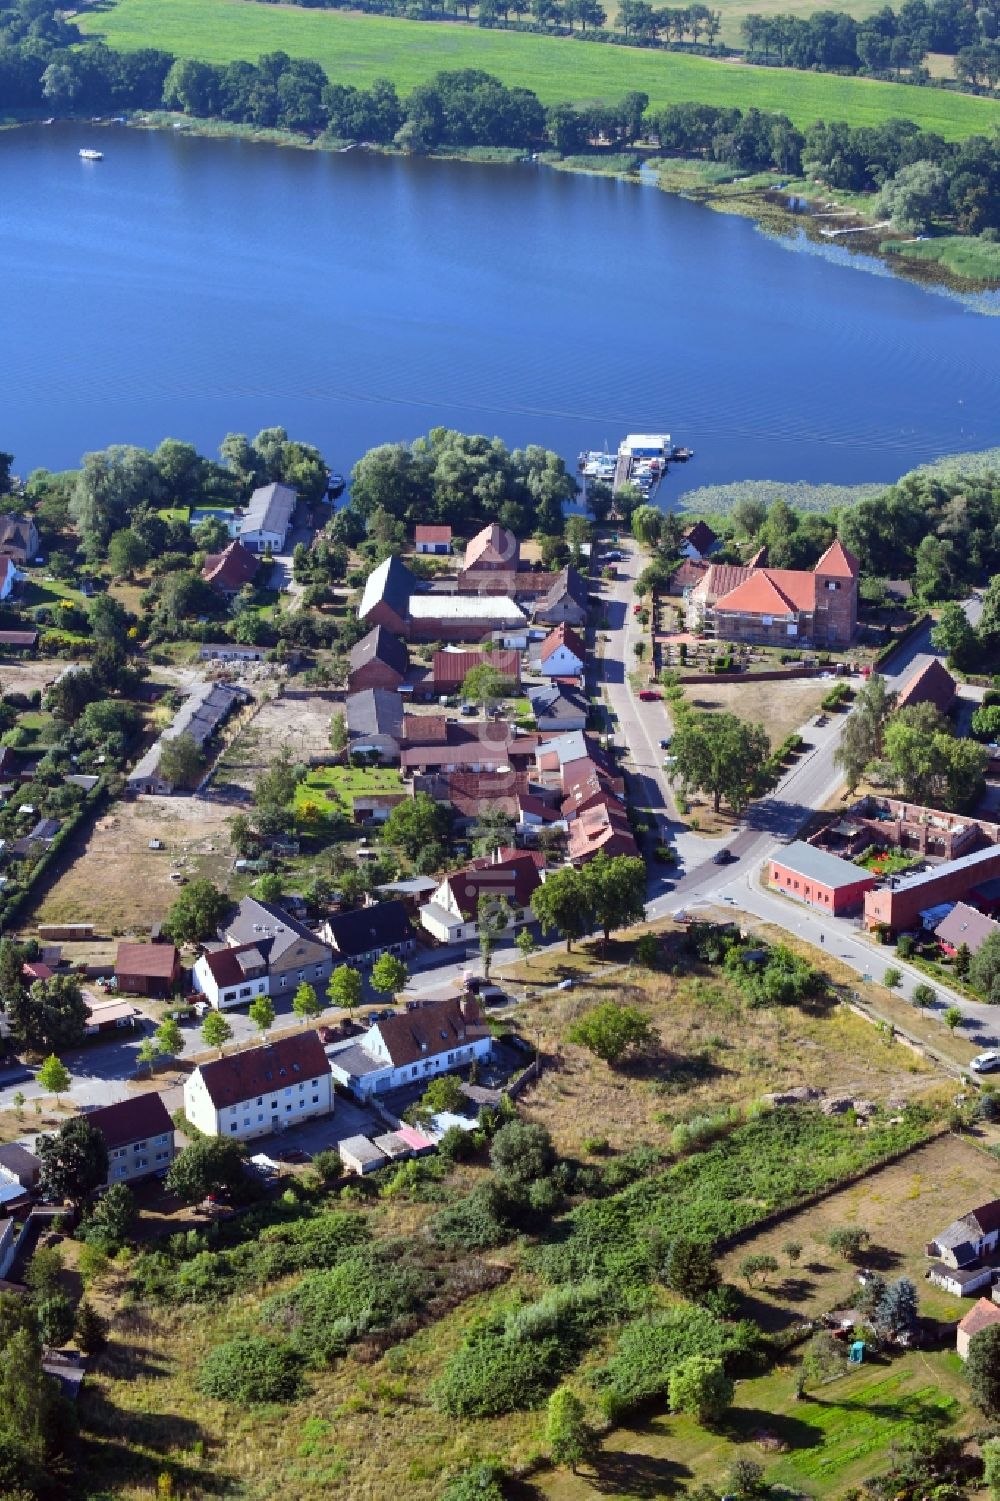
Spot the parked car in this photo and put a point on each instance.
(723, 857)
(986, 1063)
(649, 696)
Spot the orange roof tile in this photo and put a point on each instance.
(837, 562)
(757, 595)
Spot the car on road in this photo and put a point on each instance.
(986, 1063)
(648, 696)
(723, 857)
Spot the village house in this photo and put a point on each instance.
(231, 651)
(494, 746)
(139, 1136)
(565, 602)
(400, 1050)
(362, 936)
(492, 558)
(18, 538)
(930, 684)
(227, 572)
(983, 1316)
(602, 826)
(264, 525)
(562, 654)
(451, 915)
(391, 598)
(775, 606)
(147, 968)
(558, 708)
(698, 542)
(262, 1090)
(378, 660)
(686, 576)
(432, 540)
(819, 879)
(968, 1240)
(964, 925)
(375, 723)
(470, 794)
(20, 1174)
(266, 952)
(18, 641)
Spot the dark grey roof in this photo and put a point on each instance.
(368, 928)
(818, 865)
(257, 921)
(375, 711)
(380, 645)
(553, 701)
(391, 582)
(568, 581)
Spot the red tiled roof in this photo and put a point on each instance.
(470, 792)
(495, 546)
(230, 569)
(757, 595)
(158, 961)
(982, 1316)
(425, 729)
(18, 638)
(224, 965)
(530, 802)
(264, 1070)
(563, 635)
(516, 879)
(132, 1120)
(932, 684)
(837, 562)
(450, 667)
(431, 1030)
(432, 534)
(597, 827)
(691, 571)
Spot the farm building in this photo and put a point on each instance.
(201, 715)
(378, 660)
(375, 723)
(360, 1155)
(930, 684)
(818, 878)
(433, 540)
(449, 668)
(565, 602)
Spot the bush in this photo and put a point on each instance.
(365, 1292)
(522, 1152)
(251, 1369)
(482, 1482)
(479, 1222)
(650, 1348)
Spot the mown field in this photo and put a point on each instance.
(357, 49)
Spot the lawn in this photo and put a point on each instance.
(336, 787)
(356, 49)
(835, 1439)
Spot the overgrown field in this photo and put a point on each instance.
(356, 49)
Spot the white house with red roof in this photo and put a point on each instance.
(261, 1090)
(512, 876)
(562, 654)
(778, 606)
(436, 1038)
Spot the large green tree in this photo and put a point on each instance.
(109, 486)
(617, 887)
(564, 902)
(720, 755)
(197, 912)
(210, 1165)
(74, 1160)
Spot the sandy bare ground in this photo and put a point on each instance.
(29, 673)
(300, 724)
(779, 707)
(123, 886)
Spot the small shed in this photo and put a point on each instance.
(393, 1145)
(960, 1282)
(359, 1155)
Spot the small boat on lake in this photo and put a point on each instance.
(88, 154)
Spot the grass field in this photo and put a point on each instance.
(967, 257)
(833, 1441)
(357, 49)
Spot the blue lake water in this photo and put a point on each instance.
(190, 287)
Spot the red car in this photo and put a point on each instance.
(637, 609)
(648, 696)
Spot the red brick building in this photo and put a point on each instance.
(379, 660)
(819, 879)
(899, 906)
(778, 606)
(449, 668)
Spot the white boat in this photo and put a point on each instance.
(88, 154)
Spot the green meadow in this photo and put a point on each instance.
(356, 49)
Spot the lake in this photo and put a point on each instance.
(190, 287)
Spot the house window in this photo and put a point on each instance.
(260, 1099)
(139, 1146)
(246, 1120)
(119, 1172)
(247, 990)
(233, 1126)
(142, 1162)
(288, 1108)
(288, 1090)
(162, 1156)
(260, 1117)
(315, 1099)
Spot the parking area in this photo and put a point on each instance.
(325, 1134)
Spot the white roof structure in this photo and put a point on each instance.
(474, 607)
(646, 441)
